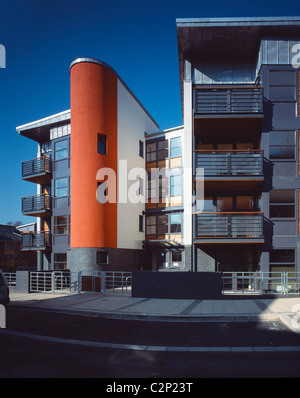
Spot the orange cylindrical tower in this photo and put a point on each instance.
(93, 111)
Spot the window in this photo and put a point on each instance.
(60, 131)
(60, 261)
(61, 225)
(61, 150)
(175, 223)
(151, 152)
(141, 223)
(162, 150)
(175, 185)
(176, 257)
(61, 187)
(282, 204)
(102, 257)
(175, 144)
(102, 147)
(282, 85)
(282, 260)
(151, 225)
(162, 224)
(282, 144)
(224, 204)
(141, 149)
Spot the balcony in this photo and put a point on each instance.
(232, 170)
(228, 101)
(37, 170)
(37, 205)
(223, 227)
(36, 240)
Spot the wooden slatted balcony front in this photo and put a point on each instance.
(229, 227)
(231, 169)
(37, 170)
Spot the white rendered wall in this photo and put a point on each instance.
(133, 123)
(187, 162)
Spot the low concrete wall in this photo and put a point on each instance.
(177, 285)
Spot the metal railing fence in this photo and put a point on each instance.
(113, 282)
(261, 282)
(11, 278)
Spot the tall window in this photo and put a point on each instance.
(141, 223)
(175, 144)
(60, 261)
(175, 185)
(61, 187)
(282, 85)
(102, 144)
(282, 144)
(61, 225)
(141, 149)
(282, 204)
(61, 150)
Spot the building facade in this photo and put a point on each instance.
(239, 140)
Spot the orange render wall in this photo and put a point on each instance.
(93, 112)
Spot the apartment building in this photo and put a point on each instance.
(239, 140)
(240, 98)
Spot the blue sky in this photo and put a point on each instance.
(137, 38)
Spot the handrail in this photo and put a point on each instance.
(239, 87)
(228, 150)
(40, 157)
(36, 195)
(230, 212)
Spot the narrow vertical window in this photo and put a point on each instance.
(141, 149)
(102, 144)
(141, 223)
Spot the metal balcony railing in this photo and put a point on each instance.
(230, 163)
(228, 100)
(36, 240)
(229, 225)
(36, 167)
(36, 204)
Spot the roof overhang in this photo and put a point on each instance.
(163, 244)
(39, 130)
(224, 39)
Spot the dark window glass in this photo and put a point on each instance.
(282, 152)
(60, 261)
(141, 149)
(102, 144)
(282, 204)
(282, 256)
(141, 223)
(102, 257)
